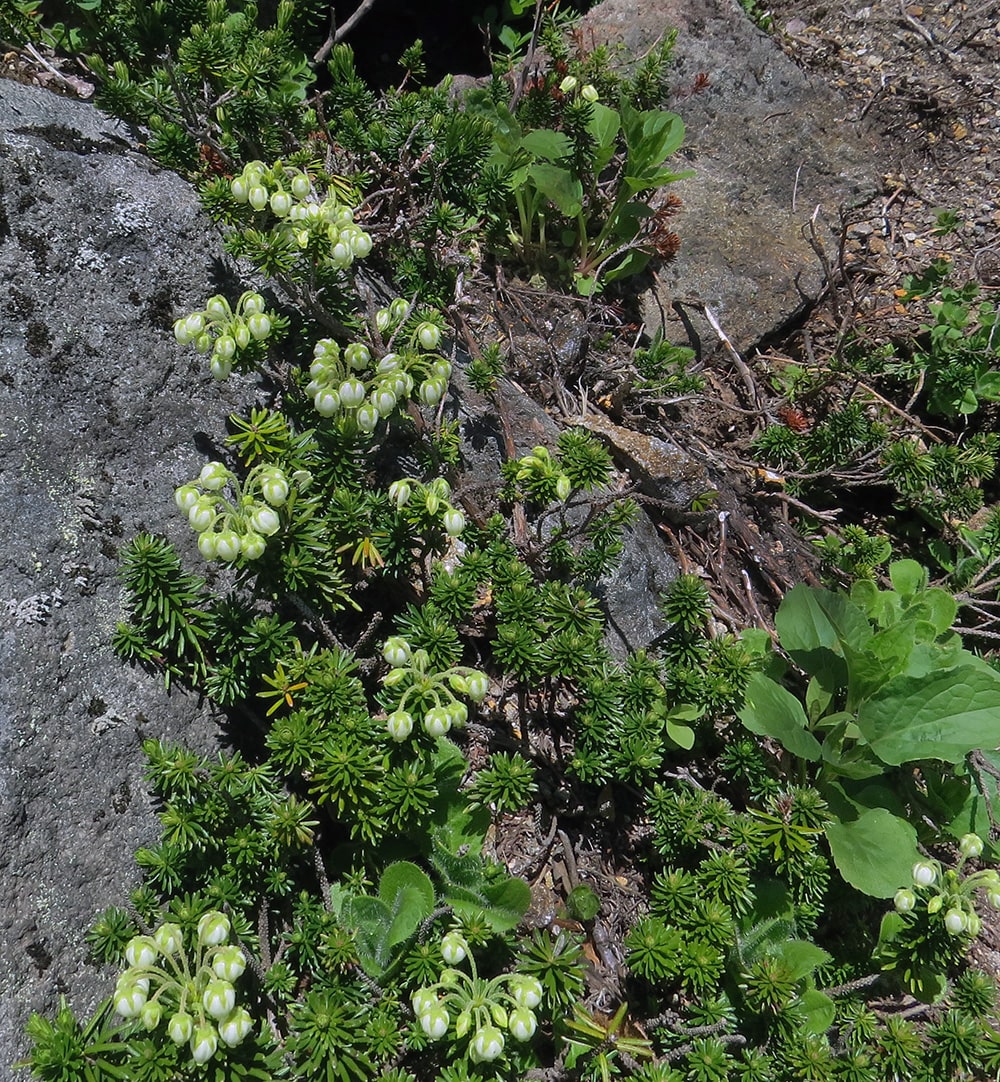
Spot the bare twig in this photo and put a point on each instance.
(741, 366)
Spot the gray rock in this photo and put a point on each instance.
(767, 146)
(99, 250)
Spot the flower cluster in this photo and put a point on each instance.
(947, 893)
(588, 91)
(542, 477)
(325, 230)
(196, 996)
(484, 1008)
(353, 385)
(425, 693)
(433, 497)
(229, 528)
(223, 331)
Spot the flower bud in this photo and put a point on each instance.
(431, 502)
(384, 401)
(394, 677)
(202, 513)
(257, 196)
(487, 1045)
(141, 951)
(434, 1022)
(904, 900)
(259, 325)
(274, 488)
(429, 335)
(281, 203)
(168, 939)
(352, 393)
(357, 355)
(208, 545)
(367, 417)
(150, 1015)
(219, 998)
(955, 921)
(924, 873)
(213, 929)
(399, 725)
(396, 651)
(399, 493)
(204, 1043)
(253, 546)
(225, 347)
(327, 403)
(431, 391)
(935, 904)
(242, 335)
(213, 476)
(437, 721)
(388, 363)
(235, 1028)
(478, 685)
(973, 924)
(227, 545)
(180, 1027)
(526, 991)
(265, 520)
(563, 487)
(186, 497)
(453, 948)
(194, 325)
(361, 245)
(300, 185)
(423, 1000)
(441, 369)
(130, 998)
(459, 714)
(568, 84)
(399, 310)
(240, 189)
(970, 845)
(221, 369)
(993, 897)
(181, 331)
(589, 93)
(522, 1024)
(383, 321)
(454, 522)
(228, 963)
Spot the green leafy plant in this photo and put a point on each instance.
(891, 696)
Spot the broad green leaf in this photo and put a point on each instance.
(814, 623)
(818, 699)
(648, 181)
(633, 263)
(939, 607)
(604, 128)
(681, 735)
(819, 1011)
(547, 144)
(770, 710)
(875, 853)
(801, 957)
(943, 715)
(508, 902)
(908, 577)
(404, 877)
(651, 137)
(559, 186)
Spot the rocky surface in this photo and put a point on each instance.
(769, 147)
(98, 414)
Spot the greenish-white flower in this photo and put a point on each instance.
(213, 929)
(204, 1042)
(234, 1029)
(180, 1027)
